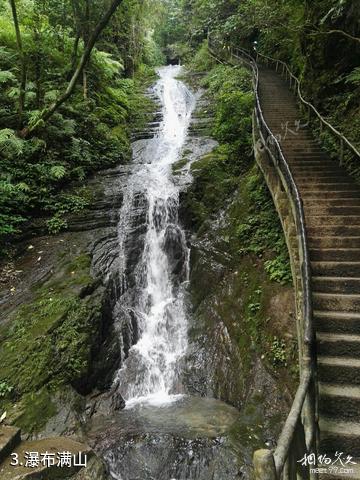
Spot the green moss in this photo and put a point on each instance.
(180, 164)
(50, 339)
(211, 187)
(142, 108)
(35, 410)
(48, 342)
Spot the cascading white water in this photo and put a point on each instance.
(150, 370)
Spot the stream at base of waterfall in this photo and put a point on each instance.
(163, 433)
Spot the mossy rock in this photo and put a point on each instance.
(50, 339)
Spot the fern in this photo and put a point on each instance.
(58, 171)
(108, 66)
(6, 76)
(10, 143)
(22, 187)
(5, 55)
(35, 119)
(51, 95)
(354, 77)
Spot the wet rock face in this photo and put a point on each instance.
(174, 247)
(164, 457)
(190, 439)
(134, 243)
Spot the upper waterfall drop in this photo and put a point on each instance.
(156, 306)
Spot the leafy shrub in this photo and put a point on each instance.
(56, 224)
(278, 352)
(202, 61)
(261, 230)
(5, 389)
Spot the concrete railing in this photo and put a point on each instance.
(299, 434)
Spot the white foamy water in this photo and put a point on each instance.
(156, 305)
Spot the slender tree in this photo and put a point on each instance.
(48, 112)
(22, 63)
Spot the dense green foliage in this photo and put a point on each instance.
(320, 40)
(90, 130)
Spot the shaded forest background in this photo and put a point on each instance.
(65, 114)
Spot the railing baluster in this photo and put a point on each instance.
(341, 151)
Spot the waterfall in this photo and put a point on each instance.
(154, 255)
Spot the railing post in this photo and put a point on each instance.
(264, 465)
(341, 151)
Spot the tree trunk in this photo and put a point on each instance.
(86, 35)
(48, 112)
(74, 54)
(22, 64)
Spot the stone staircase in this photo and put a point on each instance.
(332, 212)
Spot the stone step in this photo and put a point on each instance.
(319, 158)
(338, 344)
(286, 137)
(338, 435)
(305, 163)
(314, 195)
(336, 284)
(339, 370)
(335, 254)
(334, 242)
(318, 169)
(339, 401)
(319, 181)
(340, 302)
(341, 322)
(335, 269)
(331, 202)
(305, 150)
(328, 187)
(333, 230)
(10, 437)
(319, 177)
(353, 220)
